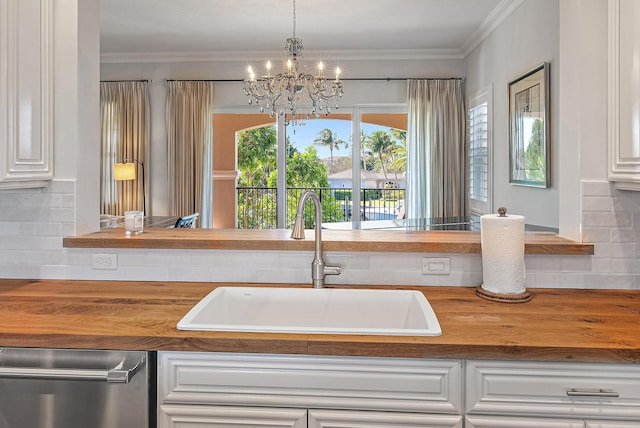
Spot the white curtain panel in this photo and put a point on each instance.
(436, 135)
(189, 121)
(124, 123)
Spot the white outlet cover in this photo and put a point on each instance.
(105, 261)
(436, 266)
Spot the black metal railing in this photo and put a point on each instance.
(257, 205)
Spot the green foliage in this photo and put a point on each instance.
(534, 160)
(257, 157)
(257, 162)
(306, 170)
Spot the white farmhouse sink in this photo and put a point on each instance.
(311, 310)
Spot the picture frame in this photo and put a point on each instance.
(529, 124)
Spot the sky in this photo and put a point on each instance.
(303, 135)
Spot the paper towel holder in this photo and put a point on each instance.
(522, 297)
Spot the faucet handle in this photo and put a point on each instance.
(332, 270)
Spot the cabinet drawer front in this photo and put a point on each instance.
(367, 419)
(387, 384)
(554, 389)
(611, 424)
(505, 422)
(230, 417)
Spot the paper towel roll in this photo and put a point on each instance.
(502, 240)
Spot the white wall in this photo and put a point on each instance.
(525, 40)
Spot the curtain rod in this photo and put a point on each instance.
(115, 81)
(387, 79)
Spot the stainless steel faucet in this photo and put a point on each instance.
(318, 267)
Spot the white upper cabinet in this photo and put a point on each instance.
(624, 94)
(26, 93)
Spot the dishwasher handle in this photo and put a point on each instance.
(123, 372)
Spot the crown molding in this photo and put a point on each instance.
(502, 11)
(247, 56)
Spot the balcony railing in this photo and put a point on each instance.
(257, 205)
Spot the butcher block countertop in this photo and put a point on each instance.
(556, 325)
(432, 241)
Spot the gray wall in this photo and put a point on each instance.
(529, 37)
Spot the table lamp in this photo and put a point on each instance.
(126, 170)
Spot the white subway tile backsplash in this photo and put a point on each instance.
(364, 277)
(40, 229)
(596, 235)
(397, 261)
(601, 265)
(576, 264)
(349, 261)
(597, 203)
(456, 278)
(625, 201)
(534, 262)
(602, 250)
(624, 235)
(293, 259)
(610, 281)
(62, 186)
(630, 266)
(465, 262)
(623, 251)
(596, 188)
(608, 219)
(33, 221)
(54, 271)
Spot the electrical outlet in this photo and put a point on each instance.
(436, 266)
(105, 261)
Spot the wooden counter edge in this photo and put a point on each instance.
(353, 241)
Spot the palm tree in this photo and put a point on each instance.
(328, 138)
(381, 145)
(399, 162)
(365, 151)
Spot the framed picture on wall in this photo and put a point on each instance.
(529, 128)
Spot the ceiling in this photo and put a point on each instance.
(242, 28)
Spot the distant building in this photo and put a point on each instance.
(368, 180)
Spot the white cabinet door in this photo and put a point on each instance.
(230, 417)
(26, 93)
(515, 422)
(624, 94)
(368, 419)
(612, 424)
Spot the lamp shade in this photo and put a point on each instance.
(124, 171)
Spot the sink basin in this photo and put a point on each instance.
(312, 310)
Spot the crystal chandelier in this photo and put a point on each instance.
(294, 93)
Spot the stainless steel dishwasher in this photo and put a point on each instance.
(56, 388)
